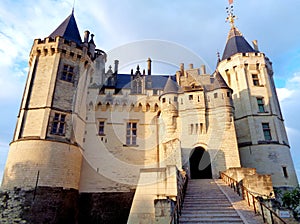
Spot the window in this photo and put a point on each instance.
(215, 95)
(58, 124)
(267, 131)
(255, 79)
(131, 133)
(68, 73)
(228, 94)
(163, 100)
(285, 173)
(191, 129)
(228, 77)
(196, 128)
(101, 128)
(191, 97)
(155, 91)
(260, 103)
(175, 98)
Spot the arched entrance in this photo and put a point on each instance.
(200, 164)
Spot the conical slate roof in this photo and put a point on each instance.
(219, 82)
(68, 30)
(236, 43)
(171, 86)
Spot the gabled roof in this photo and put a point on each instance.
(236, 43)
(68, 30)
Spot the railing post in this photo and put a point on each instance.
(253, 201)
(262, 212)
(271, 214)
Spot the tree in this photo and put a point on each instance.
(291, 200)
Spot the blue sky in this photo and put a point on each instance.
(198, 25)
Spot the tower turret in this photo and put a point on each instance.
(260, 129)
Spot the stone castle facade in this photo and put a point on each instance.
(96, 134)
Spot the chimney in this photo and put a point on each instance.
(149, 66)
(86, 36)
(116, 66)
(191, 66)
(203, 70)
(182, 69)
(92, 46)
(255, 45)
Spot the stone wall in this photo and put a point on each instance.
(45, 205)
(58, 205)
(104, 207)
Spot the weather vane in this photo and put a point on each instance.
(231, 17)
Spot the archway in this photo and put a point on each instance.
(200, 164)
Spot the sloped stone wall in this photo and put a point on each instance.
(45, 205)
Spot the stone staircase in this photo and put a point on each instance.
(206, 203)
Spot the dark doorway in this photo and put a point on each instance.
(200, 164)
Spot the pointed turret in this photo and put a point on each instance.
(171, 86)
(68, 29)
(236, 43)
(219, 82)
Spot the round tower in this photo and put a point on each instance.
(46, 153)
(169, 107)
(261, 134)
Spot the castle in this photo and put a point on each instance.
(87, 135)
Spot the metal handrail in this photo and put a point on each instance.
(179, 202)
(249, 195)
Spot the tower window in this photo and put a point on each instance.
(215, 95)
(261, 106)
(255, 79)
(101, 128)
(285, 173)
(191, 129)
(191, 97)
(267, 131)
(131, 133)
(58, 124)
(68, 73)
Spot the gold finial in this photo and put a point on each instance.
(231, 17)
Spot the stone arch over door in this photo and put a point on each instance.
(200, 164)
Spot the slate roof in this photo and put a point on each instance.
(236, 43)
(219, 82)
(68, 29)
(157, 81)
(171, 86)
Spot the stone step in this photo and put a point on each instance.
(212, 222)
(205, 200)
(212, 206)
(191, 208)
(205, 203)
(213, 219)
(209, 212)
(210, 215)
